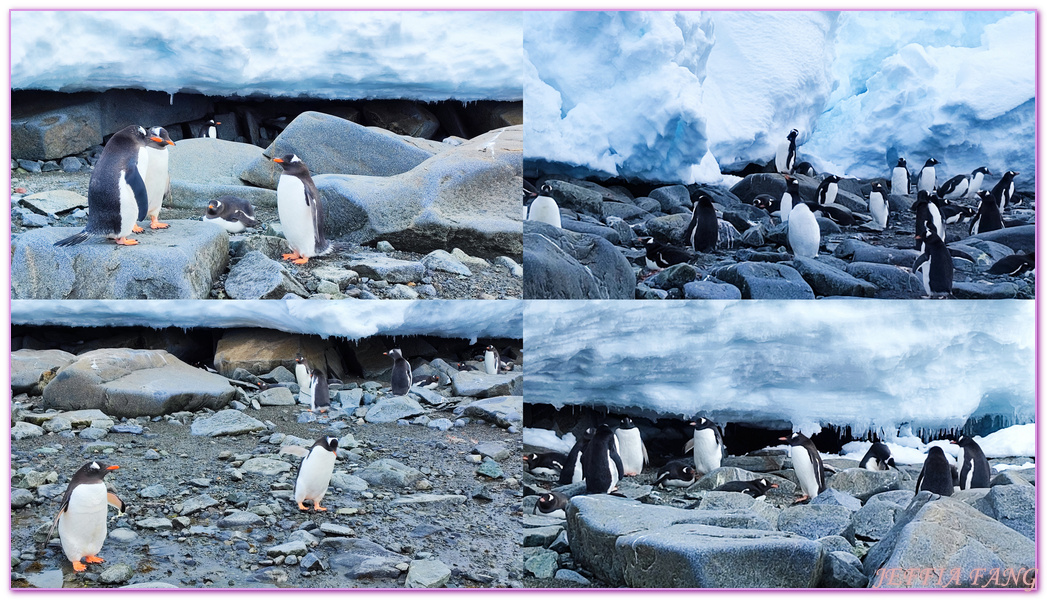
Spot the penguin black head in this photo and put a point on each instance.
(327, 442)
(763, 201)
(792, 185)
(213, 207)
(158, 138)
(394, 354)
(901, 162)
(627, 423)
(292, 164)
(704, 199)
(832, 179)
(930, 162)
(792, 135)
(490, 348)
(547, 190)
(300, 359)
(213, 122)
(982, 170)
(878, 188)
(93, 472)
(936, 451)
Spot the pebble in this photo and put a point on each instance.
(132, 428)
(153, 491)
(151, 455)
(489, 468)
(441, 424)
(21, 498)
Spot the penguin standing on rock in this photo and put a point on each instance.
(988, 217)
(808, 465)
(492, 361)
(928, 179)
(827, 190)
(301, 375)
(544, 208)
(314, 472)
(401, 376)
(211, 131)
(82, 516)
(790, 197)
(1003, 191)
(878, 205)
(972, 464)
(677, 473)
(706, 445)
(927, 211)
(231, 213)
(301, 213)
(877, 458)
(601, 464)
(785, 158)
(631, 448)
(116, 196)
(936, 475)
(156, 176)
(319, 394)
(935, 264)
(804, 234)
(703, 231)
(900, 179)
(977, 177)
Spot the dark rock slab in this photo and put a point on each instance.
(891, 281)
(826, 280)
(258, 277)
(559, 264)
(859, 251)
(1012, 505)
(766, 281)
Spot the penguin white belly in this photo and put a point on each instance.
(976, 185)
(630, 448)
(936, 216)
(315, 476)
(781, 157)
(296, 216)
(230, 226)
(128, 208)
(613, 468)
(82, 528)
(556, 514)
(302, 375)
(900, 182)
(707, 453)
(830, 193)
(965, 484)
(156, 179)
(490, 363)
(577, 475)
(786, 207)
(804, 470)
(544, 209)
(927, 180)
(212, 132)
(312, 392)
(804, 235)
(925, 273)
(878, 209)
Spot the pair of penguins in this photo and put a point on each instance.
(940, 476)
(83, 514)
(402, 377)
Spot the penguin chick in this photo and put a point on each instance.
(314, 472)
(936, 475)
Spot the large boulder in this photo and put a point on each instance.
(559, 264)
(258, 277)
(1012, 505)
(766, 281)
(259, 351)
(864, 484)
(225, 422)
(504, 411)
(134, 383)
(1019, 239)
(27, 366)
(826, 280)
(858, 251)
(891, 281)
(205, 169)
(182, 262)
(477, 384)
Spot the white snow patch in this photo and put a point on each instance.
(545, 438)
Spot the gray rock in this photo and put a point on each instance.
(156, 523)
(858, 251)
(389, 269)
(22, 430)
(151, 585)
(863, 483)
(93, 433)
(755, 464)
(182, 262)
(607, 233)
(153, 491)
(118, 573)
(832, 543)
(197, 504)
(358, 558)
(333, 529)
(122, 535)
(53, 202)
(1018, 239)
(30, 165)
(441, 424)
(288, 549)
(1008, 477)
(892, 281)
(257, 277)
(978, 290)
(427, 574)
(746, 216)
(710, 290)
(20, 498)
(393, 408)
(565, 265)
(983, 252)
(34, 220)
(226, 422)
(495, 450)
(675, 276)
(52, 579)
(830, 281)
(541, 563)
(817, 521)
(669, 229)
(442, 260)
(239, 519)
(429, 500)
(576, 198)
(515, 269)
(672, 196)
(388, 473)
(265, 466)
(766, 281)
(131, 383)
(71, 164)
(843, 570)
(541, 536)
(571, 576)
(278, 396)
(313, 563)
(204, 169)
(504, 411)
(875, 519)
(1013, 506)
(477, 384)
(837, 498)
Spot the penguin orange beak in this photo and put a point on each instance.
(783, 439)
(278, 159)
(217, 122)
(112, 468)
(774, 485)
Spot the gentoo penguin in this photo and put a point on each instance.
(754, 488)
(401, 376)
(552, 504)
(231, 213)
(631, 448)
(900, 179)
(928, 179)
(827, 190)
(314, 472)
(790, 197)
(301, 213)
(660, 256)
(977, 177)
(707, 445)
(211, 131)
(785, 158)
(767, 202)
(116, 195)
(877, 458)
(988, 217)
(1003, 191)
(572, 471)
(878, 206)
(836, 213)
(926, 207)
(808, 465)
(805, 168)
(319, 396)
(492, 361)
(601, 464)
(954, 213)
(157, 179)
(677, 473)
(544, 208)
(465, 367)
(804, 235)
(82, 516)
(703, 231)
(972, 464)
(954, 188)
(548, 464)
(1014, 264)
(301, 375)
(936, 475)
(935, 264)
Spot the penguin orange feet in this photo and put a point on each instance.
(292, 256)
(93, 559)
(136, 229)
(316, 505)
(126, 241)
(79, 567)
(301, 261)
(156, 224)
(302, 506)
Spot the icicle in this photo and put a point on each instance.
(171, 94)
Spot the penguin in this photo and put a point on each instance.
(936, 474)
(804, 235)
(785, 158)
(1003, 191)
(754, 488)
(878, 205)
(156, 176)
(954, 213)
(552, 504)
(401, 376)
(767, 202)
(703, 231)
(231, 213)
(631, 448)
(465, 367)
(601, 464)
(935, 263)
(492, 361)
(805, 168)
(900, 179)
(977, 177)
(988, 217)
(807, 464)
(320, 397)
(116, 196)
(954, 188)
(928, 179)
(827, 190)
(82, 516)
(926, 207)
(544, 208)
(660, 256)
(1014, 265)
(677, 473)
(877, 458)
(314, 472)
(211, 131)
(549, 464)
(572, 471)
(972, 464)
(790, 197)
(301, 212)
(301, 375)
(707, 445)
(429, 382)
(836, 213)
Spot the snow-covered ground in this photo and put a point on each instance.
(428, 56)
(678, 97)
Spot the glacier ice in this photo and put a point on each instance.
(427, 56)
(680, 97)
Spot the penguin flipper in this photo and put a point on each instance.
(73, 240)
(137, 184)
(919, 261)
(54, 525)
(646, 459)
(618, 463)
(689, 446)
(116, 502)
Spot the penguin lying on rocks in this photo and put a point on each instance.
(231, 213)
